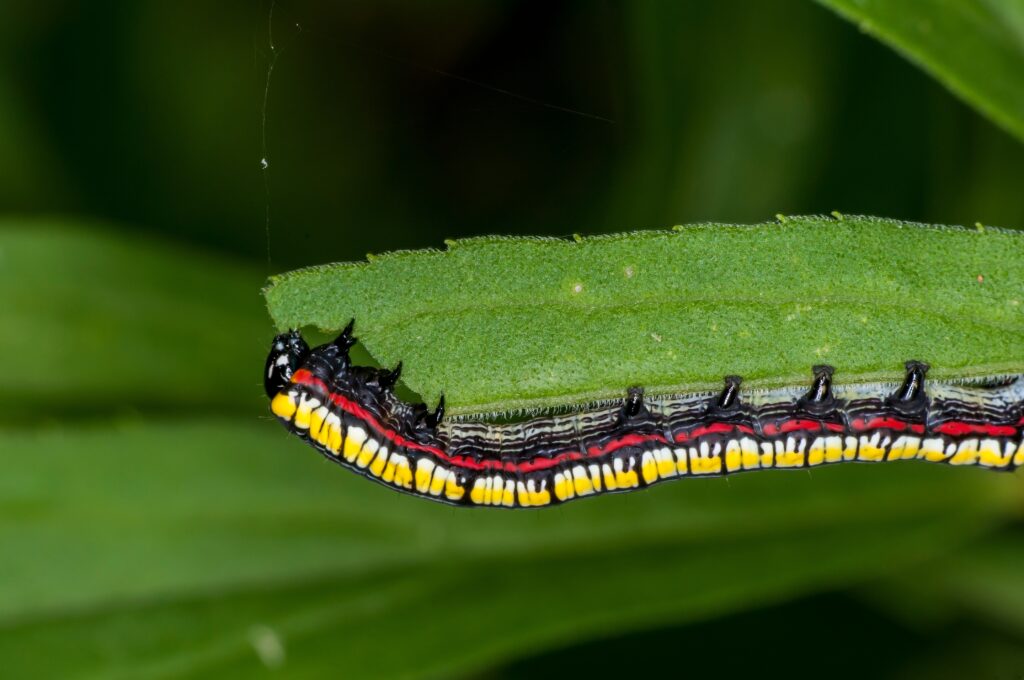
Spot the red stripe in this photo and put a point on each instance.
(860, 424)
(796, 425)
(304, 377)
(953, 429)
(958, 429)
(713, 428)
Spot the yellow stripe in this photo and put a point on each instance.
(733, 457)
(990, 455)
(816, 454)
(283, 406)
(403, 473)
(666, 463)
(508, 498)
(334, 442)
(563, 490)
(522, 495)
(441, 475)
(609, 477)
(367, 452)
(682, 460)
(453, 491)
(354, 438)
(477, 493)
(303, 413)
(581, 481)
(424, 468)
(649, 468)
(966, 453)
(316, 419)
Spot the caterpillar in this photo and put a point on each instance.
(353, 417)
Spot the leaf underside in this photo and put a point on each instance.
(503, 324)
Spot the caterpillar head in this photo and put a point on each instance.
(287, 353)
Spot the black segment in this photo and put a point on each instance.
(730, 397)
(912, 388)
(388, 379)
(633, 403)
(432, 420)
(287, 353)
(345, 340)
(821, 389)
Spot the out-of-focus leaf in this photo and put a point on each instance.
(504, 323)
(146, 550)
(972, 599)
(973, 47)
(94, 320)
(985, 580)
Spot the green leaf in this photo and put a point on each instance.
(983, 580)
(973, 47)
(181, 549)
(503, 323)
(95, 320)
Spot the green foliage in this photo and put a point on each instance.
(673, 311)
(974, 47)
(99, 321)
(155, 523)
(176, 547)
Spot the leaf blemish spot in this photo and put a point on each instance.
(577, 288)
(630, 272)
(268, 646)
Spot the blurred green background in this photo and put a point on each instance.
(155, 523)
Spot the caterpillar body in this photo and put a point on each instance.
(353, 417)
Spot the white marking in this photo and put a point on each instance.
(990, 446)
(648, 459)
(609, 477)
(425, 469)
(522, 495)
(931, 446)
(664, 455)
(479, 484)
(733, 447)
(508, 497)
(370, 446)
(322, 414)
